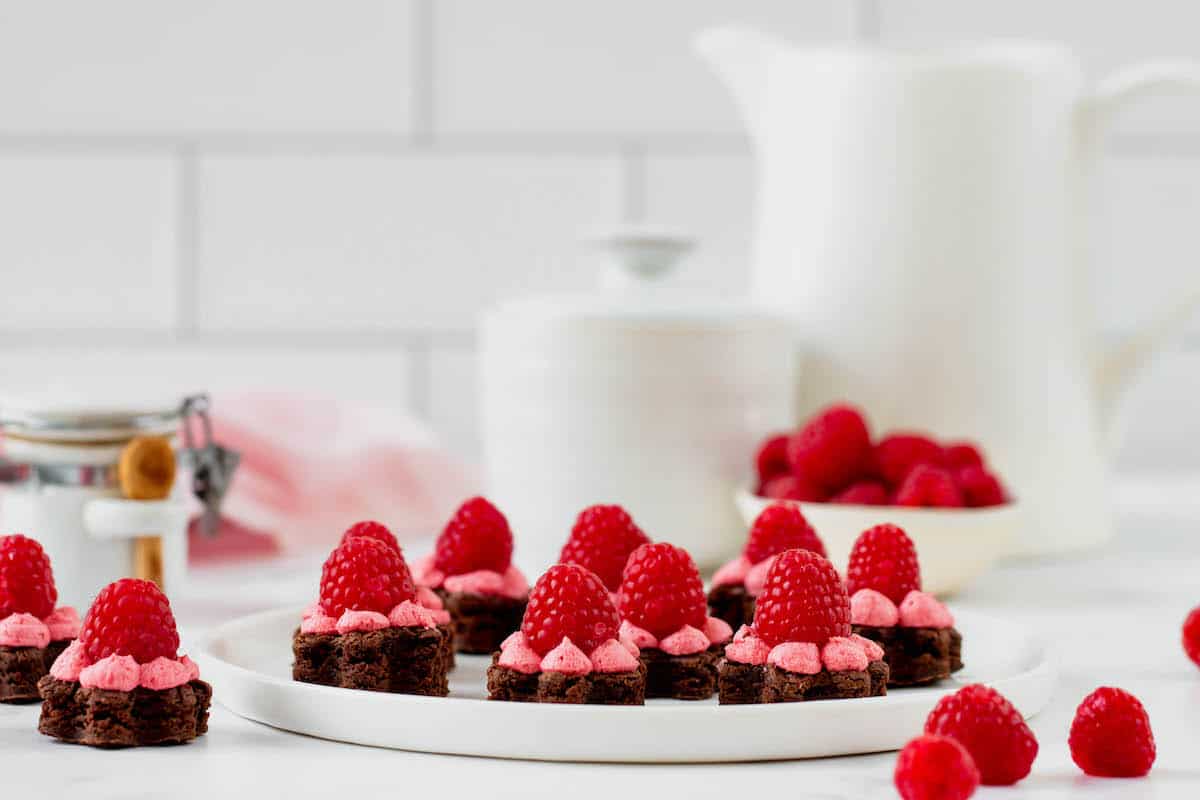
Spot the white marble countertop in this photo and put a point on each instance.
(1114, 618)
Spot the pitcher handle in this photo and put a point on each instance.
(1118, 364)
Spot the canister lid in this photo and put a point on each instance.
(58, 418)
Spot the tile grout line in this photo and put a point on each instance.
(187, 226)
(423, 104)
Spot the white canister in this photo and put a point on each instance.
(636, 395)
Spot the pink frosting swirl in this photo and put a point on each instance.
(800, 657)
(869, 607)
(612, 656)
(717, 630)
(567, 659)
(164, 673)
(24, 630)
(746, 648)
(364, 621)
(408, 614)
(510, 583)
(640, 637)
(871, 649)
(920, 610)
(685, 641)
(732, 573)
(318, 622)
(70, 663)
(117, 673)
(63, 623)
(517, 654)
(841, 653)
(429, 598)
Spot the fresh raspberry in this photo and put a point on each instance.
(364, 574)
(771, 460)
(803, 600)
(1191, 635)
(897, 453)
(962, 454)
(131, 617)
(569, 601)
(26, 580)
(980, 488)
(781, 526)
(929, 487)
(793, 487)
(372, 530)
(1110, 735)
(661, 590)
(601, 540)
(884, 559)
(995, 735)
(935, 768)
(476, 537)
(832, 449)
(863, 493)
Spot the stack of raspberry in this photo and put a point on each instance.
(832, 459)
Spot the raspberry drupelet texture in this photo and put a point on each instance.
(661, 590)
(803, 600)
(364, 574)
(601, 540)
(1110, 735)
(883, 558)
(780, 526)
(477, 537)
(569, 601)
(935, 768)
(131, 617)
(993, 732)
(832, 449)
(26, 580)
(372, 530)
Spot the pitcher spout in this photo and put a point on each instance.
(742, 58)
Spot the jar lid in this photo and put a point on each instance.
(73, 419)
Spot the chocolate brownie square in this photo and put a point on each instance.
(409, 660)
(482, 622)
(105, 718)
(916, 656)
(596, 688)
(732, 603)
(766, 683)
(22, 667)
(685, 677)
(739, 683)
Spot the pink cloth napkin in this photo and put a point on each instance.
(313, 465)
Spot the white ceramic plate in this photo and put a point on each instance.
(248, 661)
(955, 545)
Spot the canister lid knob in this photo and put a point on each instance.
(640, 255)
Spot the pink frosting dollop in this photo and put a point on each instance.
(841, 653)
(516, 653)
(193, 670)
(118, 673)
(801, 657)
(746, 648)
(164, 673)
(685, 641)
(312, 610)
(318, 622)
(717, 630)
(732, 572)
(63, 623)
(871, 649)
(70, 663)
(640, 637)
(426, 574)
(567, 659)
(428, 597)
(408, 614)
(612, 656)
(23, 630)
(869, 607)
(364, 621)
(511, 583)
(756, 578)
(920, 610)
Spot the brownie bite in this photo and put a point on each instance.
(368, 631)
(472, 573)
(33, 632)
(567, 649)
(123, 683)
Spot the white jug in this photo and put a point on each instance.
(920, 219)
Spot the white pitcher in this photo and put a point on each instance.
(920, 218)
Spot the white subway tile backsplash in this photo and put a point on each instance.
(454, 399)
(376, 242)
(147, 66)
(710, 198)
(87, 242)
(1107, 35)
(623, 67)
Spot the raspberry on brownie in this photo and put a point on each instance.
(661, 602)
(781, 526)
(601, 540)
(917, 633)
(368, 630)
(122, 683)
(33, 632)
(567, 649)
(800, 646)
(471, 570)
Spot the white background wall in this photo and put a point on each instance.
(244, 193)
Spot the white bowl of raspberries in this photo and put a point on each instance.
(944, 495)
